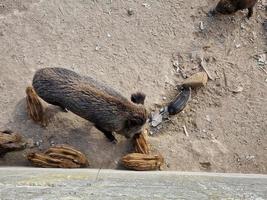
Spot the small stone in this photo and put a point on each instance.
(97, 48)
(163, 109)
(130, 11)
(238, 89)
(108, 35)
(30, 143)
(146, 5)
(164, 98)
(37, 143)
(175, 63)
(196, 80)
(262, 59)
(201, 25)
(238, 45)
(208, 118)
(205, 165)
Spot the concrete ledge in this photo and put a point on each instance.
(35, 183)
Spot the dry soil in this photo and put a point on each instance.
(151, 50)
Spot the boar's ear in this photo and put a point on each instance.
(136, 121)
(138, 98)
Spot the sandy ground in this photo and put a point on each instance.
(137, 52)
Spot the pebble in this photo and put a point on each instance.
(30, 143)
(238, 45)
(146, 5)
(201, 25)
(205, 165)
(208, 118)
(130, 11)
(238, 89)
(37, 143)
(97, 48)
(262, 59)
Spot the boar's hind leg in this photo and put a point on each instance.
(250, 12)
(108, 134)
(58, 104)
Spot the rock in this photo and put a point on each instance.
(197, 80)
(30, 143)
(146, 5)
(206, 165)
(37, 143)
(208, 118)
(201, 26)
(97, 47)
(262, 60)
(238, 46)
(238, 89)
(130, 12)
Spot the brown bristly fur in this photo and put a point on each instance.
(34, 106)
(232, 6)
(95, 101)
(142, 162)
(141, 144)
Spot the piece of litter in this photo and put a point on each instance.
(185, 131)
(108, 35)
(156, 119)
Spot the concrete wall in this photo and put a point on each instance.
(38, 184)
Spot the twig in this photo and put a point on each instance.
(225, 79)
(185, 131)
(205, 69)
(263, 70)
